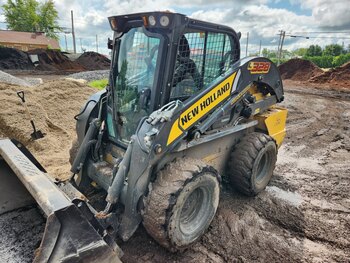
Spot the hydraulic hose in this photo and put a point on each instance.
(115, 189)
(84, 147)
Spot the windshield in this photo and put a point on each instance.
(134, 84)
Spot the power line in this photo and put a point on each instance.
(308, 37)
(322, 32)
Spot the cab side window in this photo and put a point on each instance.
(201, 58)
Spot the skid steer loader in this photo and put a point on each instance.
(180, 112)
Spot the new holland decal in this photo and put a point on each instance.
(256, 67)
(201, 107)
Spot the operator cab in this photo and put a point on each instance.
(159, 57)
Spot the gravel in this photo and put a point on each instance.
(7, 78)
(90, 75)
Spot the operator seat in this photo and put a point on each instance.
(185, 67)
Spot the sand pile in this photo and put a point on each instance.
(53, 106)
(93, 61)
(299, 69)
(11, 58)
(339, 75)
(52, 60)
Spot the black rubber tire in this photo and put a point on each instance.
(169, 216)
(252, 163)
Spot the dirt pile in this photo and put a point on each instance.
(11, 58)
(299, 69)
(52, 60)
(339, 75)
(53, 105)
(93, 61)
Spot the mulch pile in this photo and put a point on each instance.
(52, 106)
(339, 75)
(52, 60)
(93, 61)
(299, 69)
(11, 58)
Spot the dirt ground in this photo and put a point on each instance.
(303, 216)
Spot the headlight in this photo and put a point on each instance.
(152, 20)
(164, 20)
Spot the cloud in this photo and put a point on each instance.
(257, 17)
(328, 14)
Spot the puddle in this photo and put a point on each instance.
(293, 198)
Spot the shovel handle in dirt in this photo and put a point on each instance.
(36, 134)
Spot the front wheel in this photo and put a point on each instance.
(182, 203)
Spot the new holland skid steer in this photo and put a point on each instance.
(181, 112)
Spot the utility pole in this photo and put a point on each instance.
(260, 49)
(279, 43)
(246, 49)
(282, 36)
(73, 33)
(96, 43)
(65, 39)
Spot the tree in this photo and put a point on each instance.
(300, 52)
(313, 51)
(333, 50)
(32, 16)
(268, 53)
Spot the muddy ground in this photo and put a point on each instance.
(303, 216)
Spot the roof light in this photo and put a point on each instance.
(164, 20)
(145, 22)
(152, 20)
(114, 24)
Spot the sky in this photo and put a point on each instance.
(263, 19)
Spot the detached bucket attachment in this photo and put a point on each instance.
(72, 234)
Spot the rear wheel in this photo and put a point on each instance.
(182, 203)
(252, 163)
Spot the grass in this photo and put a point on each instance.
(98, 84)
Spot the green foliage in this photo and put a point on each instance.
(98, 84)
(32, 16)
(269, 53)
(322, 61)
(330, 61)
(313, 51)
(333, 50)
(300, 52)
(274, 60)
(341, 59)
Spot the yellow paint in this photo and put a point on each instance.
(274, 122)
(201, 107)
(256, 93)
(175, 132)
(235, 99)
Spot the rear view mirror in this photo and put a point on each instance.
(110, 43)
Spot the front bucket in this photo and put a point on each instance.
(72, 233)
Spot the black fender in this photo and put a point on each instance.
(87, 113)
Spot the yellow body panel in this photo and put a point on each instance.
(201, 107)
(274, 122)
